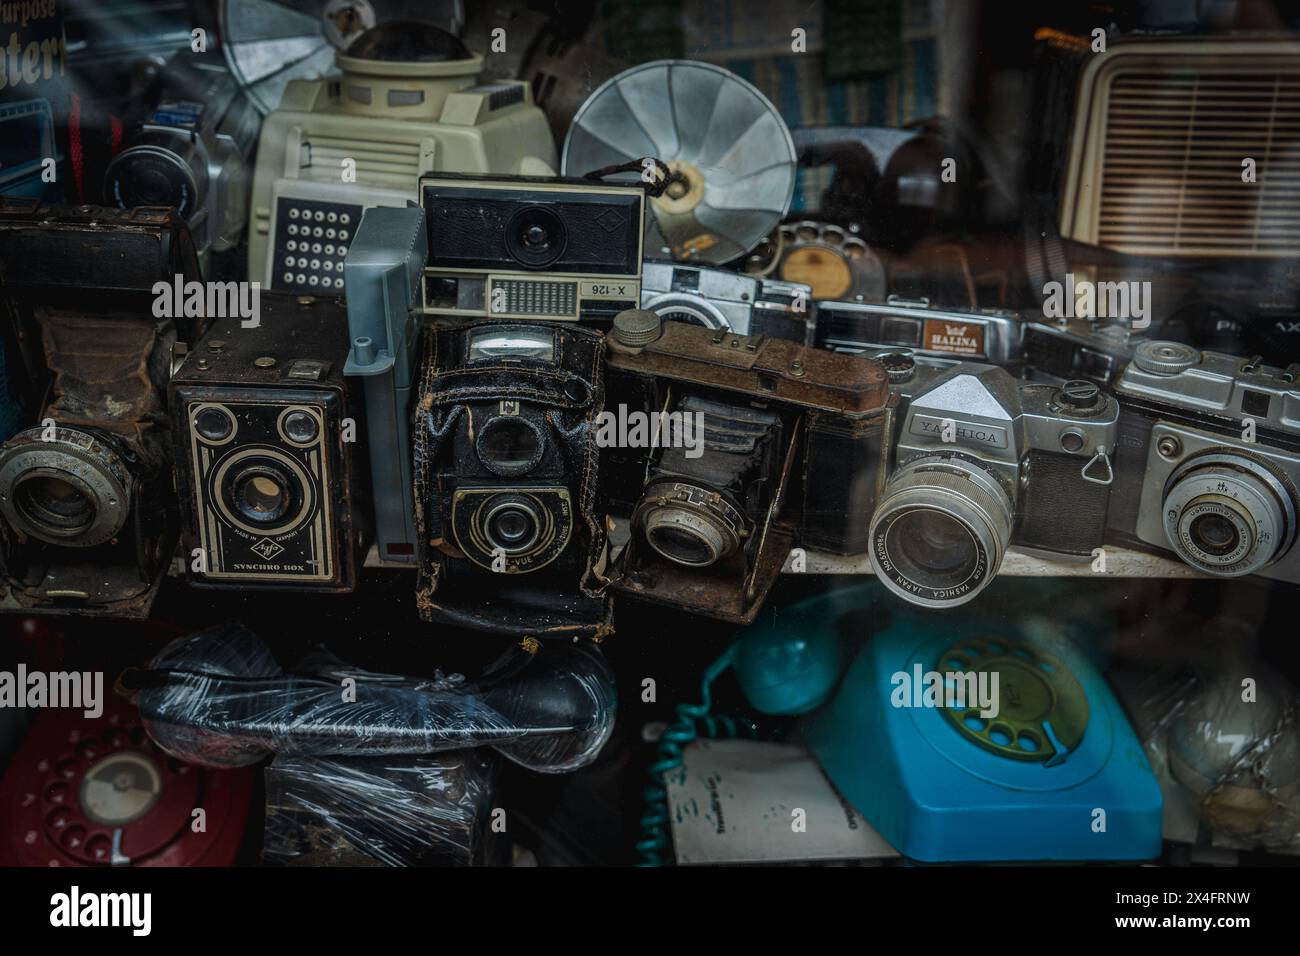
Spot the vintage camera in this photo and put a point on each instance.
(1209, 461)
(506, 471)
(982, 462)
(988, 335)
(719, 299)
(89, 513)
(266, 443)
(383, 270)
(531, 248)
(727, 451)
(407, 103)
(1078, 348)
(191, 152)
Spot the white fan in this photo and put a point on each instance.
(267, 43)
(731, 157)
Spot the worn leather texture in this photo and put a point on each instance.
(566, 597)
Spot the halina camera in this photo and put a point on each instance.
(723, 452)
(982, 462)
(521, 248)
(506, 471)
(266, 443)
(191, 152)
(407, 103)
(1209, 461)
(719, 299)
(89, 512)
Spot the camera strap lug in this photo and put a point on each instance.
(1102, 457)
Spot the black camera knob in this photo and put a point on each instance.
(637, 327)
(1080, 394)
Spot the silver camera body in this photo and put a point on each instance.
(728, 301)
(1211, 460)
(192, 152)
(983, 461)
(995, 336)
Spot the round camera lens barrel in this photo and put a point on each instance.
(966, 496)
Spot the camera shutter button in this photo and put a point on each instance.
(1080, 394)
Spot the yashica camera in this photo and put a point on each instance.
(191, 152)
(266, 444)
(723, 452)
(719, 299)
(1209, 461)
(89, 513)
(988, 335)
(982, 462)
(407, 102)
(506, 470)
(532, 248)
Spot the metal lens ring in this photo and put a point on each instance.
(512, 530)
(262, 491)
(691, 309)
(155, 174)
(512, 523)
(1228, 515)
(689, 525)
(72, 489)
(940, 531)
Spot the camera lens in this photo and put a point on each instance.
(536, 237)
(509, 446)
(55, 504)
(940, 531)
(1214, 534)
(689, 525)
(261, 493)
(1228, 515)
(158, 171)
(73, 490)
(935, 545)
(261, 498)
(511, 523)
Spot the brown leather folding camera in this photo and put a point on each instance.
(724, 452)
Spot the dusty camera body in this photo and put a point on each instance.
(86, 497)
(192, 152)
(1209, 461)
(749, 447)
(982, 462)
(266, 451)
(1078, 348)
(988, 335)
(408, 102)
(506, 470)
(719, 299)
(515, 247)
